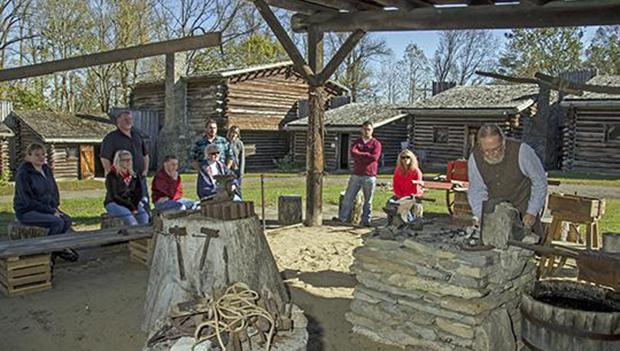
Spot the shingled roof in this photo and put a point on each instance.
(351, 116)
(55, 127)
(493, 99)
(608, 81)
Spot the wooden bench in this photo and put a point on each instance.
(25, 274)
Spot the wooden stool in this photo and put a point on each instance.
(110, 222)
(19, 230)
(289, 209)
(576, 210)
(25, 274)
(141, 251)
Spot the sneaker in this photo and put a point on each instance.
(68, 255)
(367, 225)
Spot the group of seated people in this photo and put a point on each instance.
(37, 200)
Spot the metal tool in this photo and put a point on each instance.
(178, 232)
(209, 234)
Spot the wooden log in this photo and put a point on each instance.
(212, 255)
(356, 212)
(19, 231)
(110, 222)
(289, 209)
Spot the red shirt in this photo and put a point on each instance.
(402, 183)
(366, 157)
(165, 186)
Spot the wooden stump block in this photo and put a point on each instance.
(195, 256)
(228, 210)
(140, 251)
(461, 208)
(356, 212)
(289, 209)
(110, 222)
(611, 242)
(18, 231)
(25, 274)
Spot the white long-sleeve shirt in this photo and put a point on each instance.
(530, 166)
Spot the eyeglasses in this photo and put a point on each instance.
(214, 153)
(125, 159)
(405, 157)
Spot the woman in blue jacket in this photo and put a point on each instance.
(36, 199)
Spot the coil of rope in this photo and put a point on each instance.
(232, 313)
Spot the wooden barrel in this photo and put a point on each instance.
(570, 316)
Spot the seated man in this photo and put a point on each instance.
(212, 169)
(167, 189)
(36, 201)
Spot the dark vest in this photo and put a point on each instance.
(505, 181)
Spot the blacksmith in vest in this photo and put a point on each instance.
(504, 169)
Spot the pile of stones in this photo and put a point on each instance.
(422, 289)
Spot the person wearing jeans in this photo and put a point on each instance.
(365, 152)
(167, 188)
(124, 191)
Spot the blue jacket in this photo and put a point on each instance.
(34, 191)
(207, 185)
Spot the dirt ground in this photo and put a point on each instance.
(97, 303)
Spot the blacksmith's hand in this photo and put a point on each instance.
(528, 220)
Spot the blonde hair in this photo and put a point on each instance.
(231, 130)
(404, 168)
(117, 160)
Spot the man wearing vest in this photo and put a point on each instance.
(503, 169)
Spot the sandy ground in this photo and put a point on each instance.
(97, 303)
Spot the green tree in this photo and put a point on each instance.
(548, 50)
(604, 50)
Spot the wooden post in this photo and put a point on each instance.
(314, 155)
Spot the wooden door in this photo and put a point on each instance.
(87, 161)
(471, 133)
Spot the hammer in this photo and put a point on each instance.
(209, 234)
(178, 232)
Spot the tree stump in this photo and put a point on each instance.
(611, 242)
(289, 209)
(195, 256)
(110, 222)
(18, 231)
(356, 212)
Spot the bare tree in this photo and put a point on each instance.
(12, 13)
(417, 68)
(478, 51)
(392, 80)
(446, 55)
(355, 72)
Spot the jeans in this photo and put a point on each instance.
(145, 194)
(367, 184)
(175, 205)
(55, 224)
(128, 218)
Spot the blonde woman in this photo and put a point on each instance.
(124, 191)
(407, 184)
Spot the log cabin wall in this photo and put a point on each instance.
(5, 163)
(587, 148)
(391, 136)
(268, 145)
(330, 148)
(205, 100)
(149, 97)
(435, 150)
(64, 160)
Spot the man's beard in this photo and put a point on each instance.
(494, 161)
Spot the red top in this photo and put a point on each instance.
(402, 183)
(165, 186)
(366, 157)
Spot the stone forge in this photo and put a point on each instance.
(423, 290)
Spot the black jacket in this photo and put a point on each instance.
(117, 191)
(35, 191)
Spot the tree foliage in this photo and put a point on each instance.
(603, 53)
(461, 53)
(549, 50)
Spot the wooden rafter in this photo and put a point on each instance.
(301, 6)
(404, 4)
(112, 56)
(349, 5)
(553, 14)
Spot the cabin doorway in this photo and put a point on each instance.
(343, 151)
(87, 161)
(471, 133)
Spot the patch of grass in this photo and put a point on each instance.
(585, 178)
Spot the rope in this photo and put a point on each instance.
(231, 313)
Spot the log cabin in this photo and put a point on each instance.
(591, 134)
(258, 99)
(72, 141)
(342, 127)
(444, 126)
(6, 135)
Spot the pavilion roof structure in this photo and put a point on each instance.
(411, 15)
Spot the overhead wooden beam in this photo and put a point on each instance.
(507, 78)
(112, 56)
(536, 2)
(272, 21)
(558, 83)
(404, 4)
(349, 5)
(300, 6)
(340, 55)
(554, 14)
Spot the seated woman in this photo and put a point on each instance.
(167, 190)
(211, 169)
(124, 192)
(37, 200)
(407, 183)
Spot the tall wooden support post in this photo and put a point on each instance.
(536, 131)
(314, 154)
(172, 136)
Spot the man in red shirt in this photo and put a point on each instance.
(365, 152)
(167, 189)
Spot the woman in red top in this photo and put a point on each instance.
(407, 176)
(407, 184)
(167, 189)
